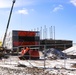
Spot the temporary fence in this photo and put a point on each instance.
(43, 62)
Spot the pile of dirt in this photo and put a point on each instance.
(74, 65)
(34, 71)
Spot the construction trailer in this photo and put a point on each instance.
(19, 38)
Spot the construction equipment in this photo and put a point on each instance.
(0, 43)
(8, 23)
(28, 53)
(3, 48)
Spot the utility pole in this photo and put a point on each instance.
(8, 22)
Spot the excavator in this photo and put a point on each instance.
(2, 47)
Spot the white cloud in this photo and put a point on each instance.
(59, 7)
(73, 2)
(5, 3)
(18, 3)
(23, 11)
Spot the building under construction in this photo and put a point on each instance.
(18, 38)
(58, 44)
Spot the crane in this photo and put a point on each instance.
(8, 23)
(3, 48)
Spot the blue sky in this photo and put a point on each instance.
(34, 14)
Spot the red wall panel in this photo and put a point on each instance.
(27, 33)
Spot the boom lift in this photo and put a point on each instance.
(3, 48)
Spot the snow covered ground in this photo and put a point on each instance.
(14, 66)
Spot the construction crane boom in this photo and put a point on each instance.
(8, 23)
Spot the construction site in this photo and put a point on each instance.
(26, 53)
